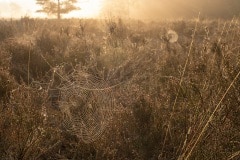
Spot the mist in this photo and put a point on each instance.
(138, 9)
(164, 9)
(18, 9)
(10, 9)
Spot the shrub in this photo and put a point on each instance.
(26, 62)
(165, 96)
(6, 30)
(25, 131)
(7, 84)
(52, 42)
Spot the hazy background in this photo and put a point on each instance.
(147, 9)
(158, 9)
(17, 8)
(20, 8)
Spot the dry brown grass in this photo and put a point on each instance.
(178, 100)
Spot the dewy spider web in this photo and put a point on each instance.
(87, 104)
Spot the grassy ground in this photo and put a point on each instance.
(178, 100)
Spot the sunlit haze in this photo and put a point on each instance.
(18, 9)
(150, 9)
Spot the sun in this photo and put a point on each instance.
(89, 9)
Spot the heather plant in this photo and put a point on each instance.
(7, 84)
(117, 32)
(52, 42)
(175, 99)
(6, 30)
(25, 25)
(23, 127)
(27, 64)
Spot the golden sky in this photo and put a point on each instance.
(20, 8)
(153, 9)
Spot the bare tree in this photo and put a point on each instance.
(57, 7)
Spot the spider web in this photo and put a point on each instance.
(172, 36)
(87, 103)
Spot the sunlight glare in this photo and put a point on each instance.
(89, 9)
(17, 9)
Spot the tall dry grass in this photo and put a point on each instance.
(177, 100)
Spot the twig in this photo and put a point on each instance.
(234, 155)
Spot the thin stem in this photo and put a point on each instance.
(211, 117)
(182, 75)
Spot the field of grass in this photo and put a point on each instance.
(120, 89)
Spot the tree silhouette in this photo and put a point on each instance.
(57, 7)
